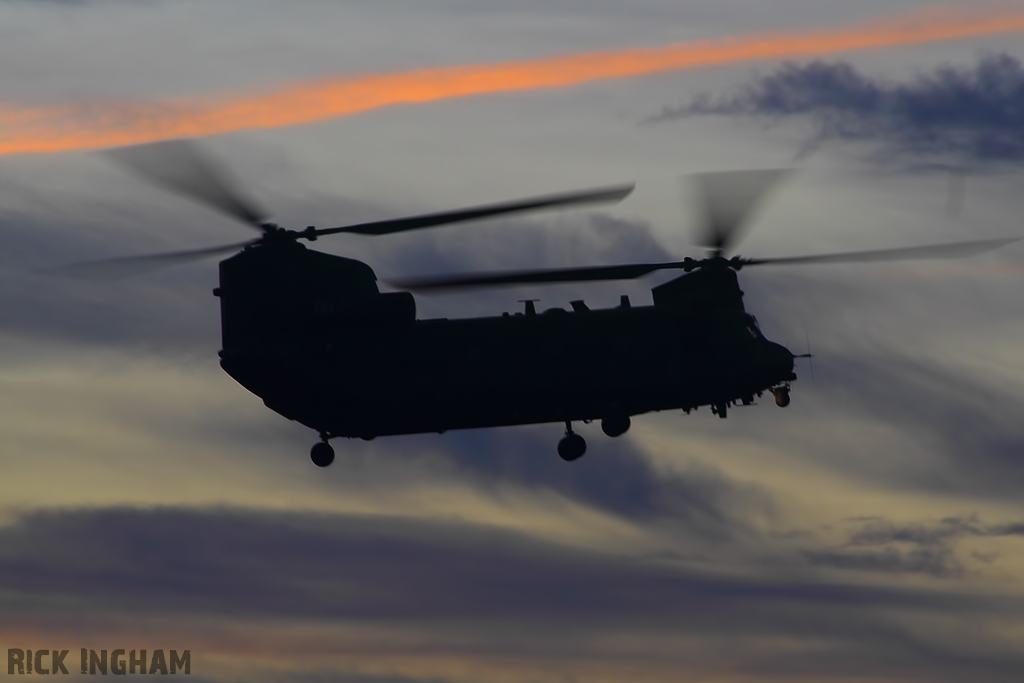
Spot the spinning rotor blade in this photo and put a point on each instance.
(108, 270)
(930, 251)
(726, 202)
(586, 274)
(613, 194)
(181, 167)
(630, 271)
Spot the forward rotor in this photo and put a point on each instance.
(182, 168)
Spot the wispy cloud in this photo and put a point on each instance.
(959, 116)
(470, 584)
(880, 545)
(103, 123)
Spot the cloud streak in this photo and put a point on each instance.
(952, 115)
(879, 545)
(105, 124)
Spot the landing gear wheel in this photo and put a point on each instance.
(321, 454)
(615, 426)
(781, 396)
(572, 447)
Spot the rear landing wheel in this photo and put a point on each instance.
(572, 447)
(615, 426)
(321, 454)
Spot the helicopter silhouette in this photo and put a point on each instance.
(313, 336)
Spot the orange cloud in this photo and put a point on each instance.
(107, 124)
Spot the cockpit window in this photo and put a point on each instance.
(752, 327)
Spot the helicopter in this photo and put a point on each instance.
(315, 338)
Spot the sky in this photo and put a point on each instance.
(871, 531)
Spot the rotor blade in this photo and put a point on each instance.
(181, 167)
(725, 203)
(613, 194)
(630, 271)
(930, 251)
(586, 274)
(108, 270)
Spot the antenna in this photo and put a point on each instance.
(809, 356)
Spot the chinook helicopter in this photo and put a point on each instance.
(312, 335)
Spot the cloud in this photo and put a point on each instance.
(968, 424)
(172, 312)
(494, 591)
(934, 562)
(104, 123)
(360, 678)
(953, 116)
(616, 476)
(880, 545)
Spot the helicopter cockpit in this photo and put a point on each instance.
(752, 326)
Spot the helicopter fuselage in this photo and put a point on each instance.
(311, 335)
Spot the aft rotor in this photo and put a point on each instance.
(724, 205)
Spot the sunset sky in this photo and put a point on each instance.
(872, 531)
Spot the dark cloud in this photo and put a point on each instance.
(876, 544)
(953, 116)
(358, 678)
(969, 425)
(175, 562)
(170, 310)
(938, 562)
(615, 476)
(873, 365)
(318, 677)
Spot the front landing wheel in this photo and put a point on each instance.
(321, 454)
(781, 396)
(572, 447)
